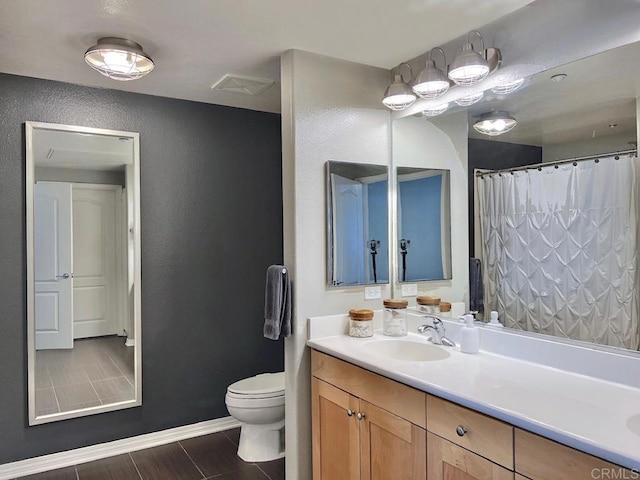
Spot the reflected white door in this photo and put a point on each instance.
(53, 265)
(95, 301)
(348, 231)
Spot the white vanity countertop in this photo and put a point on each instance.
(590, 414)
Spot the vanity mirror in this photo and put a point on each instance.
(83, 271)
(577, 280)
(424, 226)
(357, 224)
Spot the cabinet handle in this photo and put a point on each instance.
(360, 416)
(350, 413)
(460, 430)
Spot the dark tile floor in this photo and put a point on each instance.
(207, 457)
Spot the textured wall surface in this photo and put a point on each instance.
(211, 200)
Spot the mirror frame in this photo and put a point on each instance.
(133, 186)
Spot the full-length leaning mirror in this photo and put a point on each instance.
(357, 224)
(83, 271)
(424, 226)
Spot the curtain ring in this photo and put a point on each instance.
(575, 164)
(556, 166)
(597, 160)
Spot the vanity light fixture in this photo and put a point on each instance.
(470, 67)
(119, 59)
(470, 99)
(508, 87)
(435, 111)
(494, 123)
(399, 95)
(431, 82)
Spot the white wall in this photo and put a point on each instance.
(585, 147)
(331, 110)
(440, 143)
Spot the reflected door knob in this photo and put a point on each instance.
(64, 275)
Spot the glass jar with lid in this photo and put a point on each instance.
(427, 304)
(361, 323)
(394, 323)
(445, 309)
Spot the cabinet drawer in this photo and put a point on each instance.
(399, 399)
(484, 435)
(542, 459)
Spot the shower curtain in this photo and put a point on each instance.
(559, 247)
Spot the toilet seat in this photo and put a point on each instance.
(265, 385)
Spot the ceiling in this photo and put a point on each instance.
(596, 99)
(196, 42)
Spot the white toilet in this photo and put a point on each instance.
(258, 402)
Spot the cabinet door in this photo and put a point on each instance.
(336, 445)
(448, 461)
(391, 447)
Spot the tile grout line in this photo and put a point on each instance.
(265, 473)
(194, 463)
(134, 465)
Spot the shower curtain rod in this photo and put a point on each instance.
(539, 166)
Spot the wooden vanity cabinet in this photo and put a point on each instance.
(365, 426)
(538, 458)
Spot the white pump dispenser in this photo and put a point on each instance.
(469, 336)
(494, 320)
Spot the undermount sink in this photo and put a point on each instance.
(406, 350)
(634, 424)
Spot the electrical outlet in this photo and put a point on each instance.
(372, 293)
(409, 289)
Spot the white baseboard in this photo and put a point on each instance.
(45, 463)
(130, 342)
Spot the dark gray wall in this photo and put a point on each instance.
(211, 224)
(493, 155)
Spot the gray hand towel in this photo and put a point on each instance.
(277, 303)
(476, 290)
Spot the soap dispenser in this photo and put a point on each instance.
(494, 320)
(469, 336)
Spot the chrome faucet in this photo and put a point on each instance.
(437, 331)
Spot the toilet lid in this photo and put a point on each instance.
(262, 384)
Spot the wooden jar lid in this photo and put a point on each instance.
(427, 300)
(445, 306)
(361, 314)
(393, 303)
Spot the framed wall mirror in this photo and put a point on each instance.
(424, 224)
(83, 271)
(357, 224)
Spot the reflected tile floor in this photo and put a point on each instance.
(94, 372)
(207, 457)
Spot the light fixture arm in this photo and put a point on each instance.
(444, 57)
(399, 71)
(482, 50)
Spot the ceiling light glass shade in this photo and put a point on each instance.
(495, 123)
(119, 59)
(398, 95)
(434, 111)
(508, 87)
(470, 99)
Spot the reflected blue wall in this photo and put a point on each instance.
(378, 221)
(420, 202)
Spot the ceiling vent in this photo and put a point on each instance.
(242, 84)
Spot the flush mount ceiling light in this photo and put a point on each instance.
(119, 58)
(431, 82)
(508, 87)
(470, 67)
(470, 99)
(435, 111)
(399, 95)
(494, 123)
